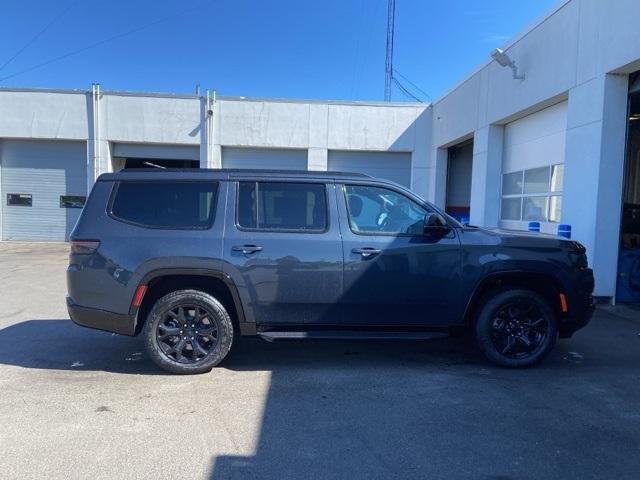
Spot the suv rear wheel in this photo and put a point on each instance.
(188, 331)
(516, 328)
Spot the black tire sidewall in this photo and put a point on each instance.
(192, 297)
(484, 323)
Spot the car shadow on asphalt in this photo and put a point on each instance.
(438, 410)
(59, 344)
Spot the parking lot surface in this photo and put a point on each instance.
(77, 403)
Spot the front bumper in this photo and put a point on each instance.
(101, 319)
(581, 304)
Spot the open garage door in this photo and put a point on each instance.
(394, 166)
(44, 186)
(139, 155)
(271, 158)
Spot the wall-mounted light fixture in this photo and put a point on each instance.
(504, 61)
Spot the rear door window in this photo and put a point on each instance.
(165, 204)
(282, 206)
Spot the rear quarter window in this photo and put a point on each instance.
(164, 204)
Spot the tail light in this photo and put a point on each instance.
(84, 247)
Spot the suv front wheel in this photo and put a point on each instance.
(516, 328)
(187, 332)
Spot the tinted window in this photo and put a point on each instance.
(165, 204)
(380, 210)
(72, 201)
(19, 199)
(282, 206)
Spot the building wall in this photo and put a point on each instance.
(579, 55)
(580, 52)
(171, 126)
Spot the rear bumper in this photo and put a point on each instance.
(581, 304)
(101, 319)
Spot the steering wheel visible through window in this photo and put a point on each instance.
(382, 210)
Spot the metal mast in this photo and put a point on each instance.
(388, 66)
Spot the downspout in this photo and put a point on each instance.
(210, 113)
(91, 142)
(96, 161)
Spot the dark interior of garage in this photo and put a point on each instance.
(459, 164)
(160, 163)
(628, 286)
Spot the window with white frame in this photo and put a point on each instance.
(533, 195)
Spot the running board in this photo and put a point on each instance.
(349, 335)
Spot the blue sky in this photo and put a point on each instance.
(326, 49)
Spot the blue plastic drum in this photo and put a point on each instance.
(564, 230)
(534, 226)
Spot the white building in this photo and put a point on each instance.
(550, 147)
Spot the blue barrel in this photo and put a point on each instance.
(534, 226)
(564, 230)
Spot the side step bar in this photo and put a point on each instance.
(349, 335)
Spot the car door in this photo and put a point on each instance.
(394, 273)
(282, 250)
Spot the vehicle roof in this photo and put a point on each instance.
(225, 173)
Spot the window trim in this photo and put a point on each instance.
(424, 205)
(212, 212)
(282, 230)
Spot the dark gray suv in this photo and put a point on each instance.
(193, 259)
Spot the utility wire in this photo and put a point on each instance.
(106, 40)
(38, 35)
(404, 90)
(395, 71)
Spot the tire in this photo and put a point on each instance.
(188, 332)
(508, 321)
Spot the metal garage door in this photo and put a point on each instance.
(39, 181)
(532, 169)
(276, 158)
(394, 166)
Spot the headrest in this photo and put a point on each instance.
(355, 205)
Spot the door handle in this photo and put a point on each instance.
(246, 249)
(366, 251)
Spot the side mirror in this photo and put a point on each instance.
(434, 223)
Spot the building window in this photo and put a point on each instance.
(533, 195)
(19, 199)
(72, 201)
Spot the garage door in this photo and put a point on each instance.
(394, 166)
(532, 169)
(137, 155)
(271, 158)
(43, 187)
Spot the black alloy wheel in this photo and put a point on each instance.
(519, 329)
(187, 333)
(516, 327)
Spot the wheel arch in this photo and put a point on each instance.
(162, 281)
(545, 284)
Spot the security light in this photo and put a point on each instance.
(504, 61)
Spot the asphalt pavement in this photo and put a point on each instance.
(77, 403)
